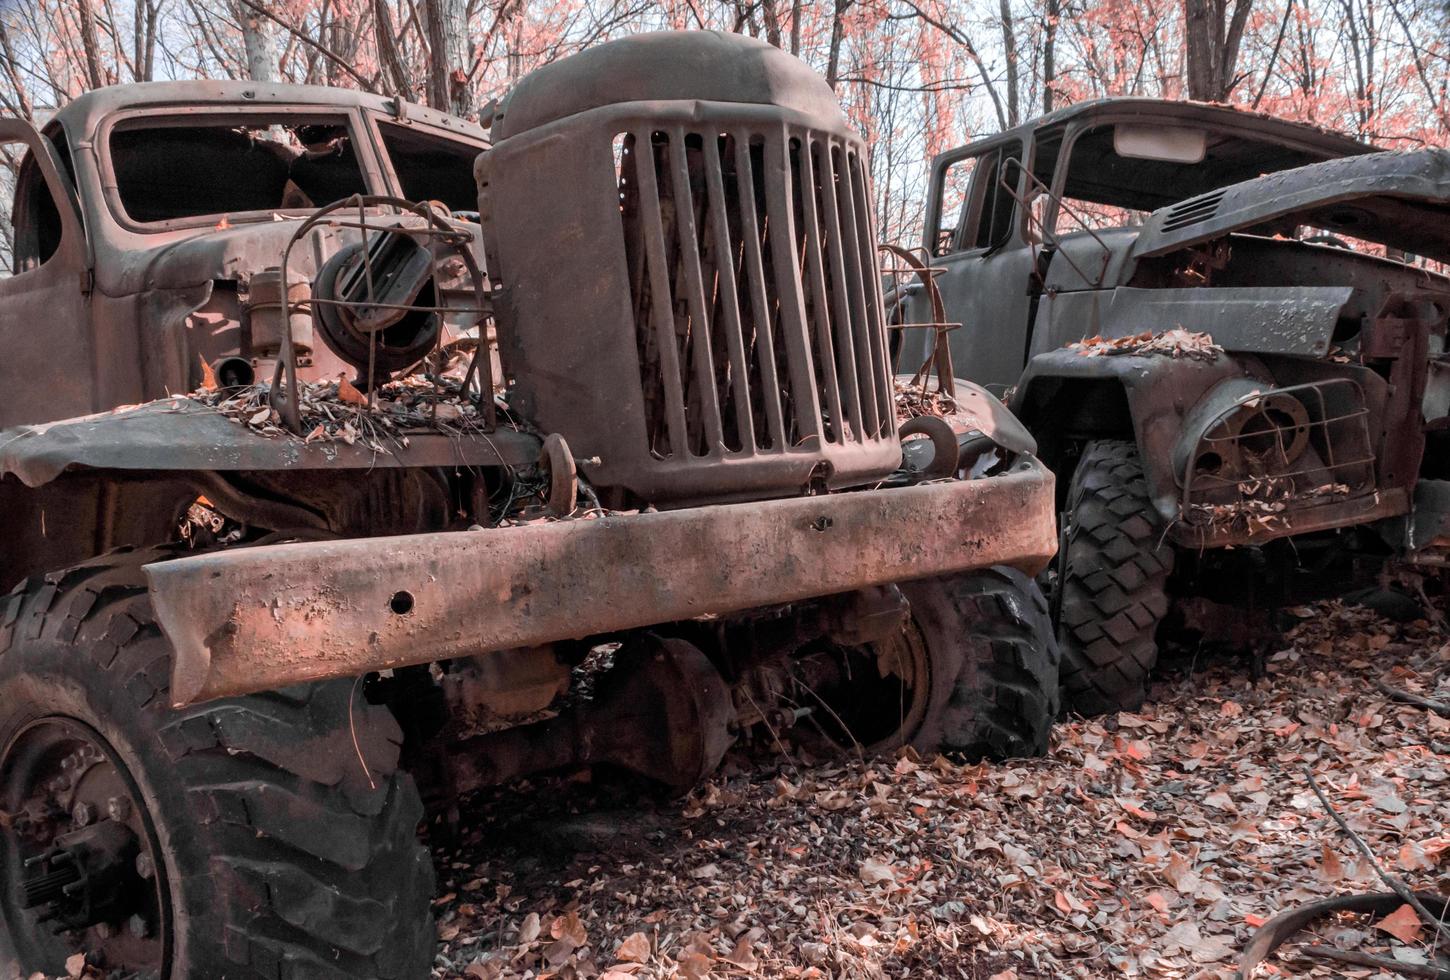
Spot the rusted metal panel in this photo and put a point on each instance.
(261, 618)
(181, 434)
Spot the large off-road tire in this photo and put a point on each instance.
(1113, 574)
(993, 661)
(276, 854)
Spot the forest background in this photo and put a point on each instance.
(916, 76)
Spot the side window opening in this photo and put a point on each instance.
(432, 168)
(955, 188)
(998, 205)
(976, 210)
(32, 227)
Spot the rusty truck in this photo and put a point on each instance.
(1228, 333)
(356, 458)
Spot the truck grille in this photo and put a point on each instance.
(751, 261)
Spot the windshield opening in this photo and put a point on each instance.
(175, 169)
(1120, 185)
(432, 168)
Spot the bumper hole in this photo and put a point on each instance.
(401, 603)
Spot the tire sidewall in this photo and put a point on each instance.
(35, 683)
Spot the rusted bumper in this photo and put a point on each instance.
(254, 619)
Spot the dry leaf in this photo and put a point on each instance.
(1403, 923)
(529, 929)
(208, 376)
(569, 927)
(347, 392)
(1331, 868)
(743, 955)
(634, 949)
(1414, 858)
(874, 872)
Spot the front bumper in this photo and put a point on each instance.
(254, 619)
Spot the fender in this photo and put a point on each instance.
(1064, 395)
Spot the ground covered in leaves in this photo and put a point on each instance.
(1145, 845)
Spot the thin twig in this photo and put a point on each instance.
(352, 730)
(1419, 970)
(1395, 884)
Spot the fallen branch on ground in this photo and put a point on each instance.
(1277, 930)
(1441, 708)
(1421, 971)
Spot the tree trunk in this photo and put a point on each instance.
(88, 42)
(259, 41)
(1212, 37)
(388, 55)
(772, 23)
(1049, 54)
(1009, 49)
(447, 23)
(833, 61)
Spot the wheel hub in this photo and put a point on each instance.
(78, 856)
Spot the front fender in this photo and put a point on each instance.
(1063, 396)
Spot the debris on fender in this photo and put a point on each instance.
(1169, 343)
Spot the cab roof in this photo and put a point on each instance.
(1182, 112)
(83, 113)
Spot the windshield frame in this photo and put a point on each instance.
(361, 134)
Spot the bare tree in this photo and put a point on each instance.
(448, 61)
(259, 40)
(1211, 39)
(1009, 49)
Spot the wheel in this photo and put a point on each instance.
(1112, 582)
(239, 839)
(993, 663)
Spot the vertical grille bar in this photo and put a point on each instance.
(842, 248)
(753, 270)
(700, 342)
(661, 300)
(876, 308)
(815, 282)
(728, 294)
(781, 235)
(869, 330)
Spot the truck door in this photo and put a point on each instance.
(46, 363)
(975, 233)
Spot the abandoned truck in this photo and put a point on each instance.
(1228, 334)
(670, 512)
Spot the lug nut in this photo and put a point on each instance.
(83, 814)
(118, 808)
(138, 926)
(145, 867)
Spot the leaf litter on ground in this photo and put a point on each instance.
(1146, 844)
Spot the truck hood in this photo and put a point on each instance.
(1398, 199)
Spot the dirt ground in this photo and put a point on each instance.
(1146, 845)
